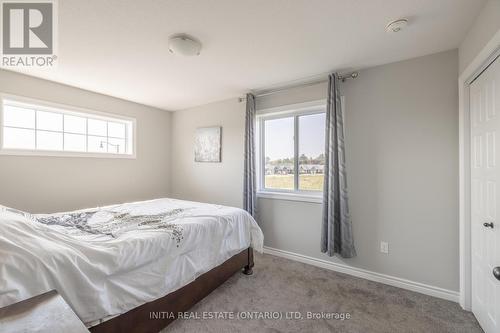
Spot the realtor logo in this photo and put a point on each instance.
(28, 33)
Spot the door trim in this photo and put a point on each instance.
(489, 53)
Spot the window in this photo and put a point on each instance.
(291, 151)
(37, 128)
(279, 153)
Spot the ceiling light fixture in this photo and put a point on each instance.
(397, 25)
(184, 45)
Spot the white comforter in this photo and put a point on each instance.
(103, 275)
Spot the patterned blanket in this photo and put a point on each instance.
(113, 224)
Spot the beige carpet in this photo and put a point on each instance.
(279, 285)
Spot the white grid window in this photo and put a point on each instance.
(291, 152)
(42, 129)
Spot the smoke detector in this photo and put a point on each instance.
(397, 25)
(184, 45)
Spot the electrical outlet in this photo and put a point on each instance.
(384, 247)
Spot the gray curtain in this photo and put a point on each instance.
(336, 233)
(249, 186)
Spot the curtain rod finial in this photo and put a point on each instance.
(352, 75)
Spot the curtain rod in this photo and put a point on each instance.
(342, 78)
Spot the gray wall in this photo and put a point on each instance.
(401, 126)
(209, 182)
(48, 184)
(402, 140)
(486, 25)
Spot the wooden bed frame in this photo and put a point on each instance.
(141, 318)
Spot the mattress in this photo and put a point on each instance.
(108, 260)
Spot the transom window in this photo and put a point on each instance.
(291, 151)
(44, 129)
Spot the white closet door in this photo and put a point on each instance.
(485, 203)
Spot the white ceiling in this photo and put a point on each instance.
(119, 47)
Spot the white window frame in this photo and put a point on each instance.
(41, 105)
(295, 110)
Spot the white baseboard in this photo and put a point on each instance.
(418, 287)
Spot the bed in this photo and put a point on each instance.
(116, 265)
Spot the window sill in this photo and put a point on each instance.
(312, 198)
(57, 153)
